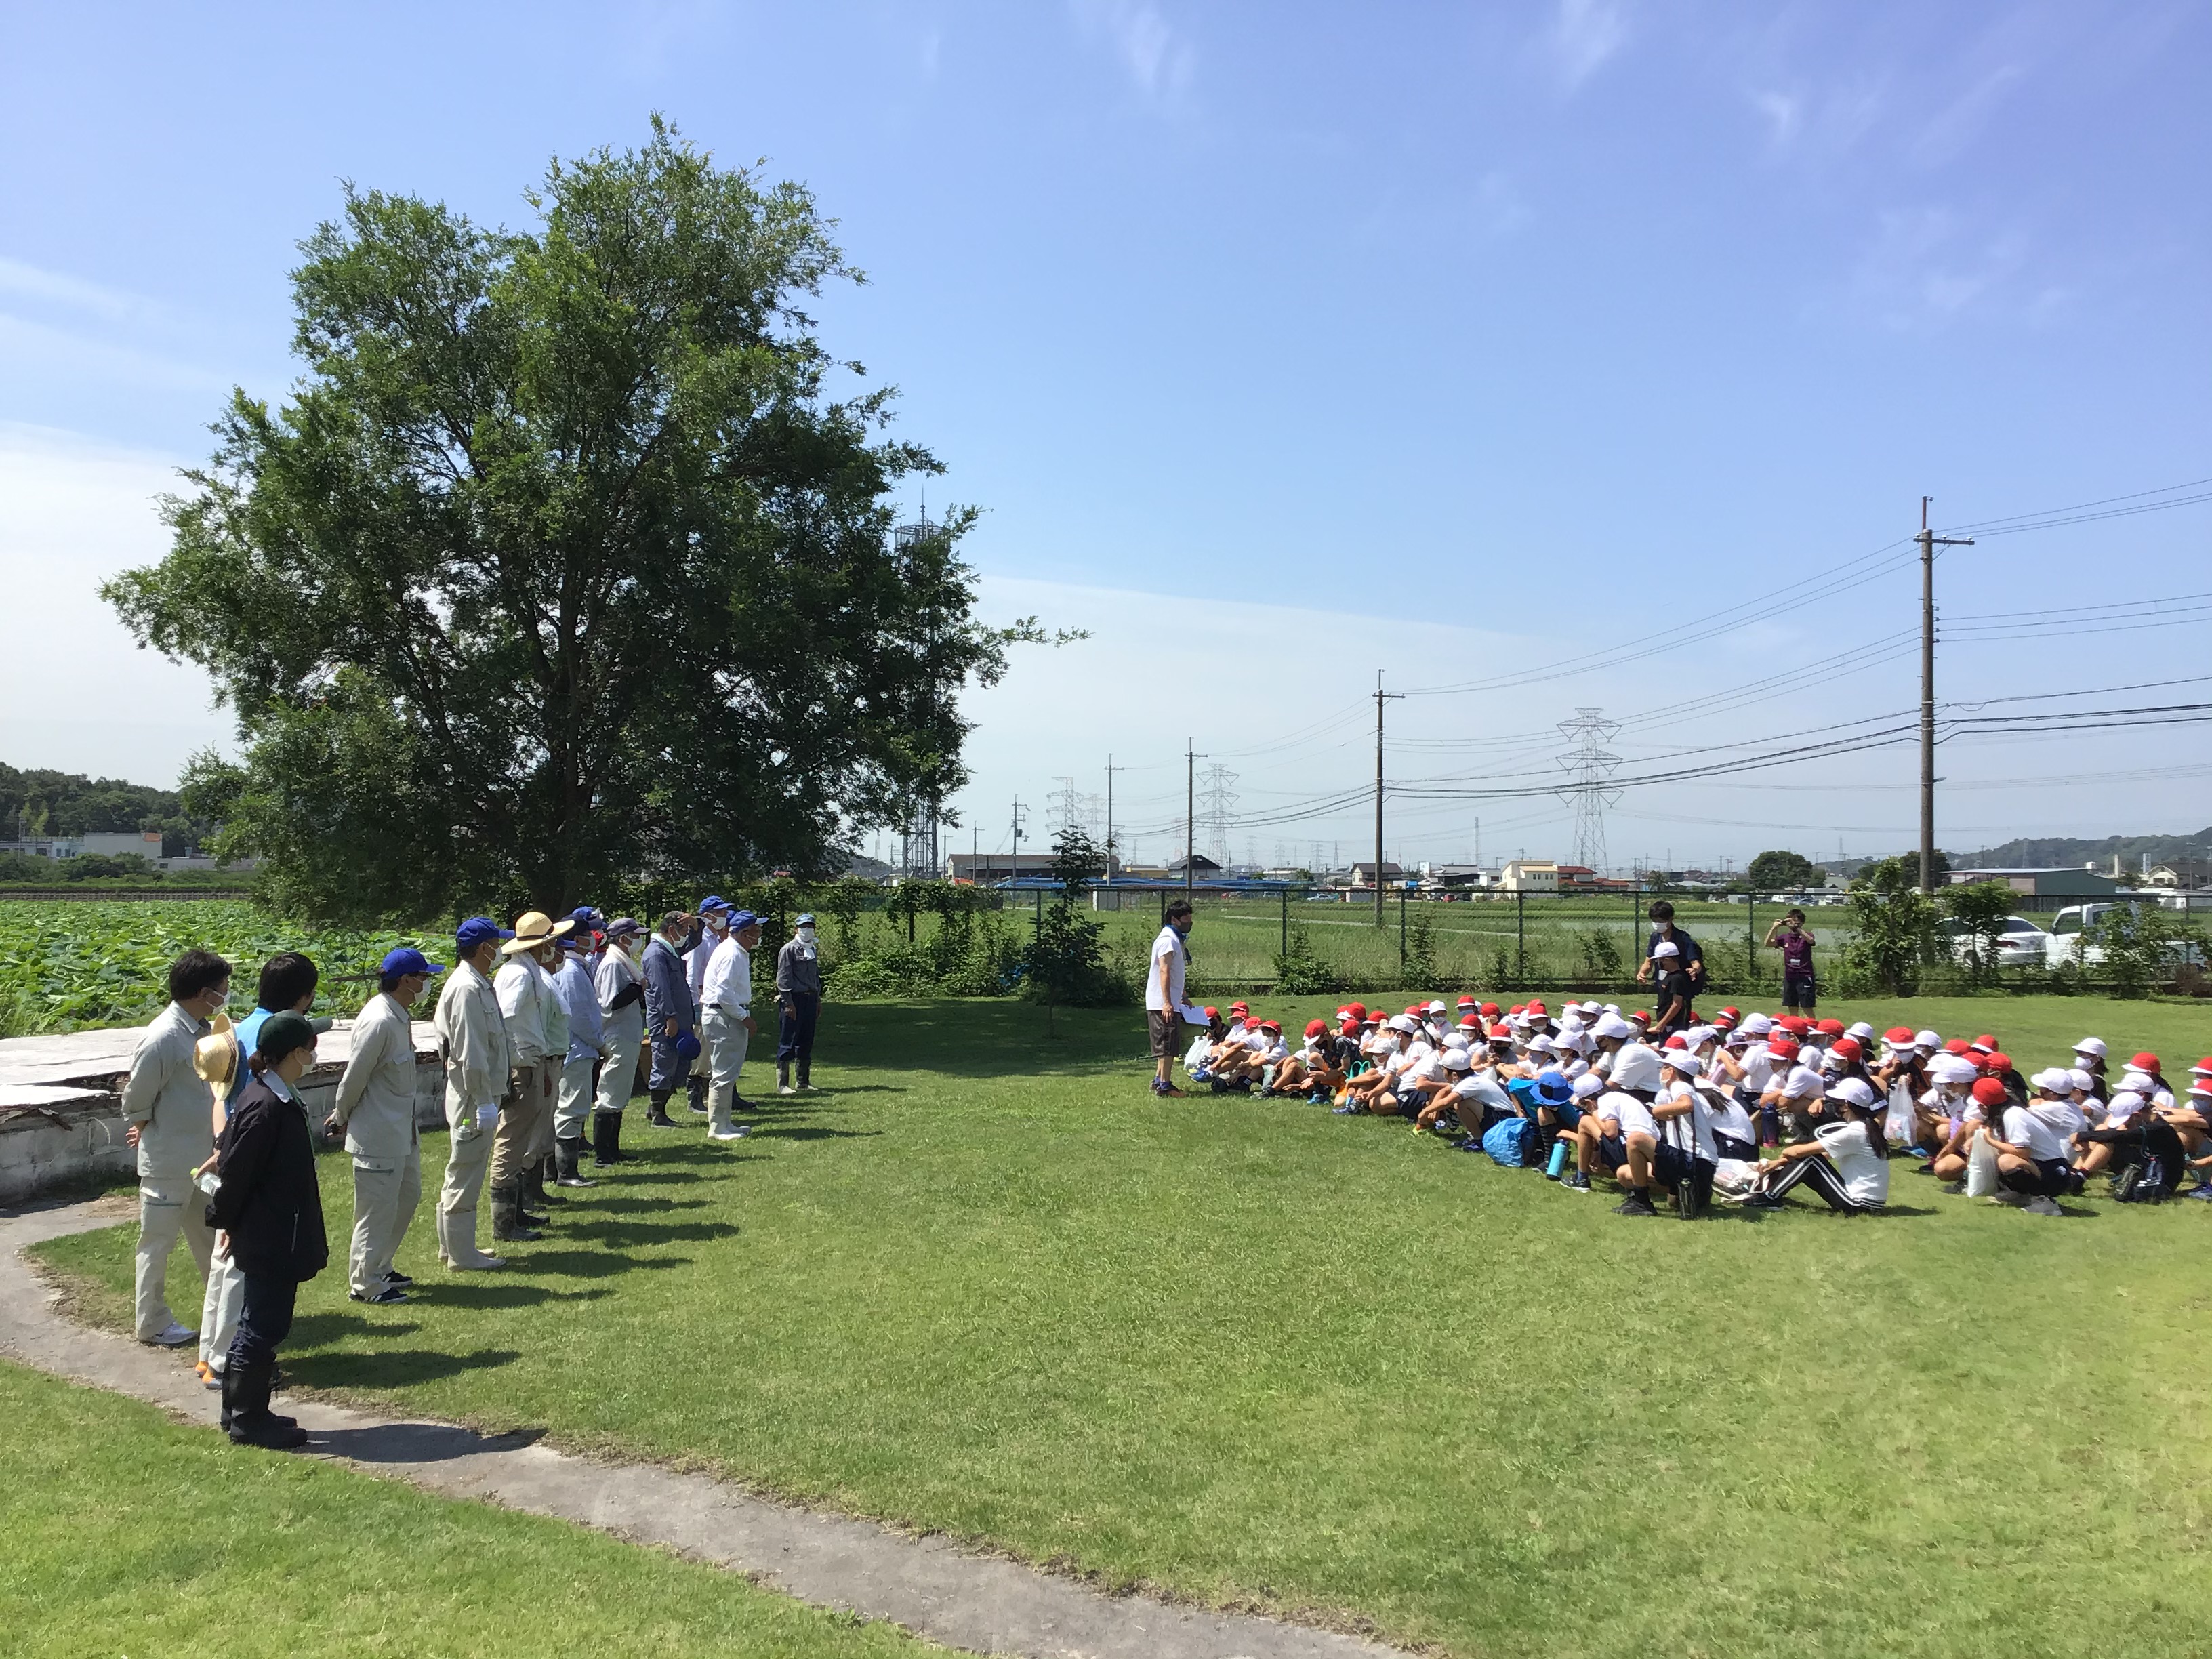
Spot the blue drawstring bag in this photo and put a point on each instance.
(1508, 1142)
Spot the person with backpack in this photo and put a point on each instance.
(268, 1203)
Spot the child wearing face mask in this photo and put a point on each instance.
(799, 1004)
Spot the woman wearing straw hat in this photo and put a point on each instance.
(537, 1030)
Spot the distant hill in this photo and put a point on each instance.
(2063, 852)
(37, 802)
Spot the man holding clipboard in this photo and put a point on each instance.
(1164, 1007)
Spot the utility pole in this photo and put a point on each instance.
(1191, 759)
(1016, 861)
(1929, 541)
(1381, 697)
(1111, 770)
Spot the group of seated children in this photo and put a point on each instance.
(1694, 1108)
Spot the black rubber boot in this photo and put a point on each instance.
(606, 1127)
(697, 1086)
(506, 1219)
(251, 1423)
(566, 1154)
(658, 1118)
(534, 1187)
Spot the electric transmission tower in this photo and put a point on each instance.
(1068, 808)
(1591, 763)
(1217, 799)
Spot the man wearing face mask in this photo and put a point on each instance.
(537, 1033)
(727, 1016)
(621, 990)
(799, 1001)
(712, 927)
(170, 1112)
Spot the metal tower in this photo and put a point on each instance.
(1216, 798)
(1589, 794)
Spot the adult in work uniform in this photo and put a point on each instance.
(727, 1014)
(672, 1016)
(580, 1005)
(537, 1035)
(620, 988)
(708, 933)
(799, 1004)
(472, 1037)
(169, 1110)
(375, 1112)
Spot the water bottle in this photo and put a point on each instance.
(1558, 1164)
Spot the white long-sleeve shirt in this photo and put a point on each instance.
(526, 999)
(478, 1056)
(174, 1110)
(729, 984)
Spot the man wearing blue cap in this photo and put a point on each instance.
(375, 1109)
(712, 927)
(799, 1001)
(727, 1017)
(472, 1037)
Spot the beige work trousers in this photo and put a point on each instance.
(385, 1197)
(525, 1119)
(458, 1196)
(169, 1207)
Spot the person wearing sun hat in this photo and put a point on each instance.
(268, 1202)
(376, 1111)
(538, 1029)
(473, 1043)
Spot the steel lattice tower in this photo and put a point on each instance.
(1217, 804)
(1592, 763)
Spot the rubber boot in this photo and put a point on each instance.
(719, 1125)
(541, 1174)
(506, 1221)
(697, 1085)
(806, 1074)
(606, 1130)
(456, 1243)
(246, 1400)
(658, 1118)
(783, 1077)
(567, 1153)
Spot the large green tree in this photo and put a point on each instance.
(1782, 871)
(562, 562)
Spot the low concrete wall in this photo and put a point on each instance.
(61, 1106)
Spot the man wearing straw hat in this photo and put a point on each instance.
(538, 1029)
(376, 1111)
(472, 1037)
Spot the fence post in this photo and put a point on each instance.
(1635, 921)
(1402, 931)
(1520, 933)
(1286, 921)
(1750, 940)
(1038, 933)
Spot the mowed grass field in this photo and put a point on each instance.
(128, 1533)
(988, 1286)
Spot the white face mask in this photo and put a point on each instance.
(220, 1003)
(807, 935)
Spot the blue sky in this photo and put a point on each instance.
(1282, 343)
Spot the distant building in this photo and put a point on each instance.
(2181, 875)
(2064, 883)
(1455, 878)
(1362, 875)
(1529, 875)
(984, 868)
(1201, 866)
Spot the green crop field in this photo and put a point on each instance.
(988, 1286)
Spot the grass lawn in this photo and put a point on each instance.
(1258, 1353)
(129, 1535)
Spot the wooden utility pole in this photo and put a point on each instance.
(1381, 697)
(1111, 770)
(1929, 541)
(1189, 815)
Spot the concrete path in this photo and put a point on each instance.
(975, 1602)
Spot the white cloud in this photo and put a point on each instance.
(1584, 34)
(31, 282)
(1159, 57)
(1925, 267)
(75, 691)
(1954, 126)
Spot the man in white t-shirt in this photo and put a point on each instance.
(1164, 1007)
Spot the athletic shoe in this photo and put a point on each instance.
(1318, 1097)
(389, 1293)
(398, 1277)
(785, 1089)
(1637, 1203)
(175, 1337)
(2041, 1206)
(1914, 1151)
(1574, 1182)
(1956, 1188)
(738, 1134)
(1764, 1202)
(2202, 1192)
(2015, 1201)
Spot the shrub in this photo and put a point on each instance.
(1299, 970)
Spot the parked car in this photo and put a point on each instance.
(2065, 943)
(2020, 944)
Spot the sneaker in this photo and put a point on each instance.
(2041, 1205)
(1956, 1189)
(395, 1277)
(2202, 1192)
(1764, 1202)
(785, 1089)
(738, 1134)
(1914, 1151)
(1350, 1109)
(1318, 1097)
(212, 1377)
(175, 1337)
(1635, 1203)
(1574, 1182)
(389, 1293)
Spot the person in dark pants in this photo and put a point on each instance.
(268, 1203)
(799, 997)
(671, 1017)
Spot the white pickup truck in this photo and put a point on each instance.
(2066, 944)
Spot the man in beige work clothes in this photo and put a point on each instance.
(472, 1036)
(537, 1027)
(375, 1109)
(170, 1112)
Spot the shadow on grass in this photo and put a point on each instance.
(626, 1235)
(650, 1205)
(586, 1264)
(810, 1132)
(418, 1443)
(661, 1178)
(397, 1368)
(503, 1293)
(315, 1330)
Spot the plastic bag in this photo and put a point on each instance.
(1901, 1124)
(1981, 1168)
